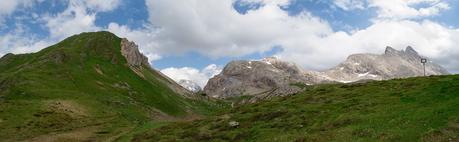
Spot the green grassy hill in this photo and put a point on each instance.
(82, 89)
(414, 109)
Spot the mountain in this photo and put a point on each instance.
(261, 79)
(273, 77)
(391, 64)
(413, 109)
(190, 85)
(89, 87)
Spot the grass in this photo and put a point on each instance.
(414, 109)
(84, 73)
(82, 88)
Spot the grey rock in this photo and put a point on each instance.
(132, 54)
(138, 62)
(260, 79)
(233, 124)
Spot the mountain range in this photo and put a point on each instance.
(272, 77)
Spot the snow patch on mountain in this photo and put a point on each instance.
(190, 85)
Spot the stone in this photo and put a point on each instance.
(233, 124)
(132, 54)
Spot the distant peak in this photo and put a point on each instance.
(270, 59)
(410, 50)
(390, 50)
(190, 85)
(7, 55)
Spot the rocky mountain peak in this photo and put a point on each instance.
(132, 54)
(270, 60)
(411, 51)
(408, 52)
(260, 78)
(190, 85)
(137, 61)
(289, 67)
(391, 51)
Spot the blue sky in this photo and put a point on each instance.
(189, 36)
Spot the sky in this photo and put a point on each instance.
(194, 39)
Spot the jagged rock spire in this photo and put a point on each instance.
(390, 51)
(410, 50)
(132, 54)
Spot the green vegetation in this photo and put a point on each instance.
(82, 88)
(299, 85)
(414, 109)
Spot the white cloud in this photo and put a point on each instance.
(74, 20)
(7, 7)
(350, 4)
(102, 5)
(18, 42)
(269, 2)
(397, 9)
(403, 9)
(216, 29)
(429, 38)
(141, 37)
(188, 73)
(79, 16)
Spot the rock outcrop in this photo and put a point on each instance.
(260, 79)
(132, 54)
(137, 61)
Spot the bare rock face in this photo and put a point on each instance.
(260, 79)
(132, 54)
(391, 64)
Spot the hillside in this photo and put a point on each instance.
(413, 109)
(83, 88)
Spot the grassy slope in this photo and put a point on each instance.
(59, 89)
(414, 109)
